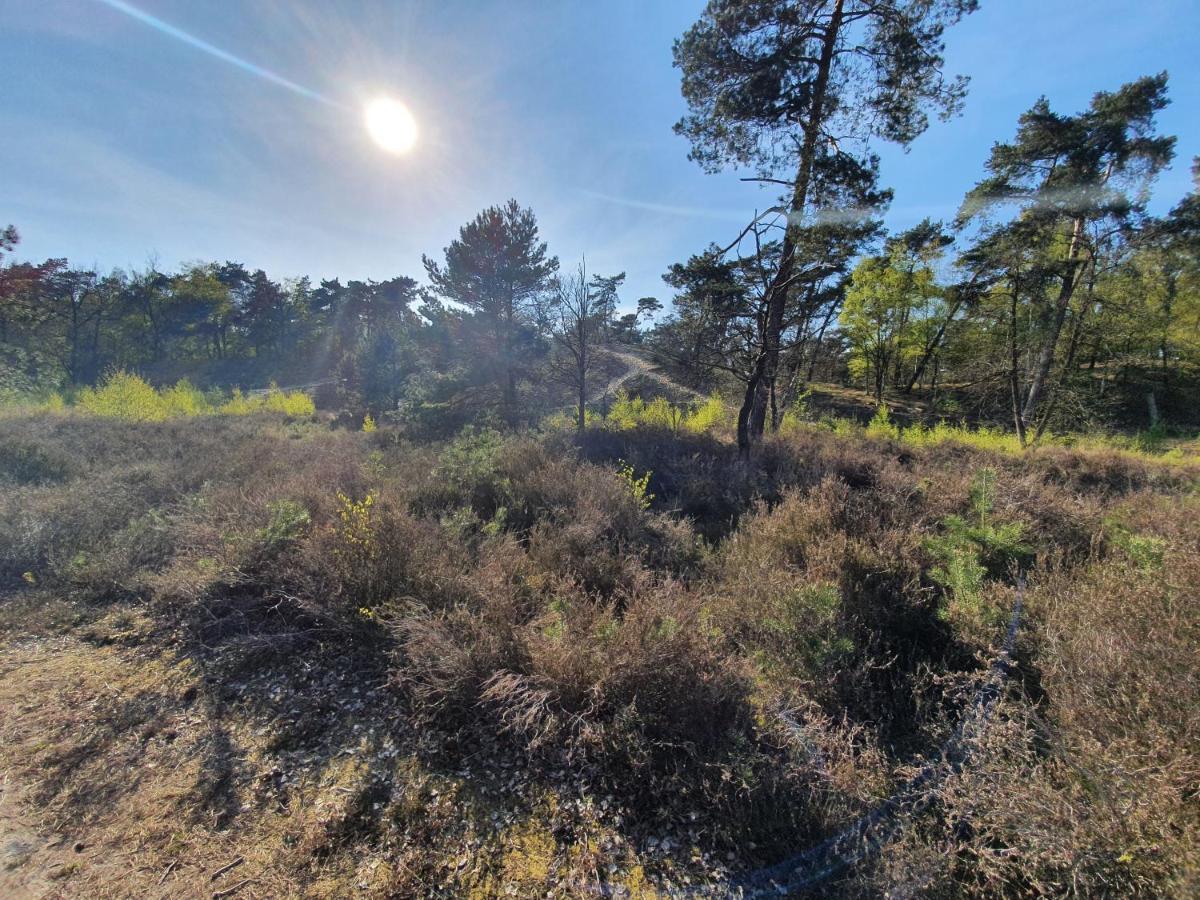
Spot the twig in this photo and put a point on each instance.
(225, 868)
(167, 870)
(230, 891)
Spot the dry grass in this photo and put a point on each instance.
(378, 668)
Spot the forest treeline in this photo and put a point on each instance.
(1053, 299)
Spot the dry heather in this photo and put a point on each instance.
(365, 667)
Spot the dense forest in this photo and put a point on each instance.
(862, 563)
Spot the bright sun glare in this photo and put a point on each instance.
(391, 125)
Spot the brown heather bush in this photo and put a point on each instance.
(746, 664)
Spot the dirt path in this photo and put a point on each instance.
(638, 365)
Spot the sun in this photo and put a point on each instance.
(391, 125)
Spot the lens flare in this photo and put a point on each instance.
(391, 125)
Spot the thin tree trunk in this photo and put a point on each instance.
(1164, 348)
(581, 420)
(933, 344)
(1014, 372)
(1072, 351)
(812, 364)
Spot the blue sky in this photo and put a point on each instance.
(120, 144)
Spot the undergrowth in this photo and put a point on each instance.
(626, 657)
(126, 396)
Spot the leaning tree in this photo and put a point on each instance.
(797, 90)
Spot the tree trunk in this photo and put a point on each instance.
(1164, 348)
(1072, 351)
(581, 419)
(812, 363)
(1045, 358)
(932, 347)
(1014, 372)
(743, 419)
(758, 398)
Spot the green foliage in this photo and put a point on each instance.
(1146, 552)
(1153, 440)
(997, 440)
(358, 545)
(638, 487)
(468, 474)
(632, 412)
(893, 309)
(709, 415)
(184, 400)
(289, 520)
(293, 404)
(568, 421)
(802, 627)
(969, 550)
(881, 425)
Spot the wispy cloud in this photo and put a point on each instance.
(212, 50)
(666, 209)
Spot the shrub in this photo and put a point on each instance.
(289, 521)
(634, 412)
(638, 487)
(185, 400)
(238, 404)
(551, 638)
(709, 415)
(293, 404)
(881, 425)
(968, 550)
(29, 463)
(123, 395)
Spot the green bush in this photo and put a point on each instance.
(970, 549)
(289, 520)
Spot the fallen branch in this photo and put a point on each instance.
(167, 871)
(230, 891)
(225, 868)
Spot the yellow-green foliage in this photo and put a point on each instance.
(355, 529)
(882, 426)
(184, 399)
(368, 425)
(631, 412)
(997, 440)
(708, 415)
(639, 487)
(238, 404)
(982, 438)
(565, 421)
(123, 395)
(294, 404)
